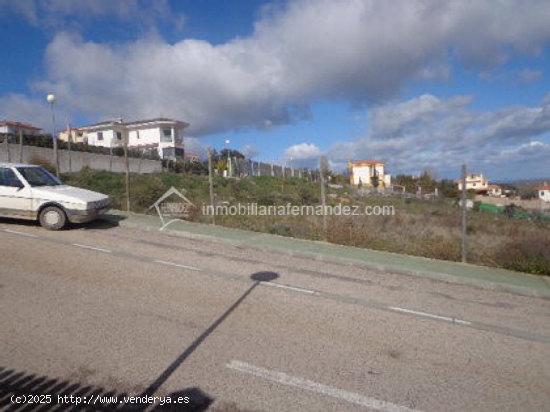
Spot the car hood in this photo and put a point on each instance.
(65, 193)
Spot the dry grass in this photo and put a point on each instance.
(421, 228)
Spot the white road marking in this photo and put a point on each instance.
(163, 262)
(99, 249)
(429, 315)
(15, 232)
(278, 285)
(305, 384)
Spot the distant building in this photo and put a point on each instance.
(76, 135)
(362, 173)
(13, 127)
(476, 182)
(494, 190)
(164, 135)
(544, 193)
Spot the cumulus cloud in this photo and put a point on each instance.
(249, 151)
(20, 108)
(357, 51)
(441, 134)
(302, 151)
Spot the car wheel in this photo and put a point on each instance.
(52, 218)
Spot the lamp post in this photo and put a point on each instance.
(51, 100)
(227, 141)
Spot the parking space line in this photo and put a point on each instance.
(305, 384)
(278, 285)
(99, 249)
(164, 262)
(429, 315)
(15, 232)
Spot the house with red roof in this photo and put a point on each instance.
(544, 192)
(14, 127)
(362, 173)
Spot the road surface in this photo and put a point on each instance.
(106, 310)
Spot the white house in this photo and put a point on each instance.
(363, 171)
(494, 190)
(13, 127)
(476, 182)
(544, 193)
(164, 135)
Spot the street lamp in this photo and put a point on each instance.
(50, 98)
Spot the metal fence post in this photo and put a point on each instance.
(211, 185)
(464, 210)
(322, 162)
(127, 167)
(20, 146)
(7, 147)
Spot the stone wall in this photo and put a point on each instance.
(75, 161)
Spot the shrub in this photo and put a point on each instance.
(530, 255)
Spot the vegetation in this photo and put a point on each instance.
(429, 228)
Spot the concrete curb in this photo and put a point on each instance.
(435, 276)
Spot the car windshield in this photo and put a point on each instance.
(37, 176)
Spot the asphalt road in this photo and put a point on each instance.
(102, 310)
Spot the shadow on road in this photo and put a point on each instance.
(15, 383)
(257, 277)
(23, 391)
(104, 222)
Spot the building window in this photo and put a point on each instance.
(119, 135)
(166, 135)
(99, 135)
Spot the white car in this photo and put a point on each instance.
(31, 192)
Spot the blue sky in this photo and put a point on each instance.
(287, 81)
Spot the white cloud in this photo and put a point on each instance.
(20, 108)
(356, 51)
(249, 151)
(302, 151)
(441, 134)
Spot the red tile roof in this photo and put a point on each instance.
(366, 162)
(18, 124)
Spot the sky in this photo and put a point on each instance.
(421, 85)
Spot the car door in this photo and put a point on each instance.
(15, 195)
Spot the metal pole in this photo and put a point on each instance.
(211, 185)
(464, 209)
(69, 138)
(228, 163)
(20, 145)
(127, 167)
(322, 162)
(7, 147)
(54, 137)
